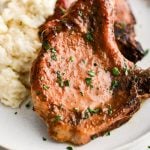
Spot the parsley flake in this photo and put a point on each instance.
(44, 139)
(89, 37)
(46, 45)
(67, 83)
(57, 118)
(107, 133)
(115, 71)
(114, 84)
(71, 59)
(93, 111)
(91, 73)
(80, 13)
(89, 82)
(45, 87)
(69, 148)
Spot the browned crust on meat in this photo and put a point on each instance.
(48, 97)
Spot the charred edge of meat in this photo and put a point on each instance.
(141, 82)
(130, 48)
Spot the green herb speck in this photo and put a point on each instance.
(107, 133)
(69, 148)
(110, 110)
(89, 37)
(16, 113)
(28, 105)
(115, 71)
(67, 83)
(46, 45)
(54, 57)
(62, 10)
(45, 87)
(123, 25)
(71, 59)
(44, 139)
(57, 118)
(126, 70)
(93, 111)
(86, 115)
(89, 82)
(80, 13)
(146, 52)
(91, 73)
(93, 137)
(114, 84)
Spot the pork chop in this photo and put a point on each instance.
(82, 86)
(124, 27)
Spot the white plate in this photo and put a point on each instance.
(25, 130)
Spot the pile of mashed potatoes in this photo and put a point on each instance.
(19, 45)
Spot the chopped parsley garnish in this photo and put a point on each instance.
(46, 45)
(57, 118)
(91, 73)
(67, 83)
(90, 112)
(69, 148)
(110, 110)
(61, 82)
(71, 59)
(28, 105)
(62, 10)
(115, 71)
(53, 50)
(89, 82)
(123, 25)
(86, 115)
(44, 139)
(16, 113)
(146, 52)
(126, 70)
(107, 133)
(93, 137)
(89, 37)
(114, 84)
(148, 147)
(80, 13)
(93, 111)
(45, 87)
(54, 57)
(59, 79)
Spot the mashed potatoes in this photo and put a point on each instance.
(19, 45)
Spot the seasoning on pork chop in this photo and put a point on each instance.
(82, 85)
(124, 27)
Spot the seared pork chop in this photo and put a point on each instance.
(82, 85)
(124, 27)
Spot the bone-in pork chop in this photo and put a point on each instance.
(124, 27)
(82, 85)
